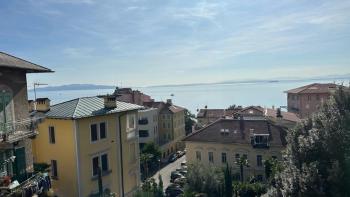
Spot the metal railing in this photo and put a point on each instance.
(17, 130)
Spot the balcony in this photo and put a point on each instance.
(260, 140)
(143, 121)
(14, 131)
(38, 184)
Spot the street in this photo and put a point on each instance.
(166, 171)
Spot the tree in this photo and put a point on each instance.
(241, 163)
(317, 156)
(150, 154)
(232, 107)
(160, 188)
(189, 121)
(208, 180)
(228, 181)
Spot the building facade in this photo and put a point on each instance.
(148, 126)
(306, 100)
(132, 96)
(171, 126)
(17, 128)
(82, 136)
(226, 140)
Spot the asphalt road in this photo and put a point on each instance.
(166, 171)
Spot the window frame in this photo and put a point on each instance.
(99, 157)
(211, 157)
(52, 136)
(198, 156)
(223, 157)
(54, 169)
(259, 160)
(98, 131)
(128, 118)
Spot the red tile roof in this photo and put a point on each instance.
(314, 88)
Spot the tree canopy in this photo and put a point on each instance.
(317, 157)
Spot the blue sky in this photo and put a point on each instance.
(140, 43)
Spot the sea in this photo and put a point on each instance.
(194, 97)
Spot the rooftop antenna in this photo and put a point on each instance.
(36, 84)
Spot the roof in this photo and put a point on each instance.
(13, 62)
(285, 115)
(211, 113)
(87, 107)
(175, 108)
(162, 105)
(314, 88)
(239, 131)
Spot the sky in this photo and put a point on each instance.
(157, 42)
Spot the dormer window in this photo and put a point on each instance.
(260, 140)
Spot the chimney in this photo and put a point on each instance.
(42, 104)
(169, 101)
(109, 100)
(30, 105)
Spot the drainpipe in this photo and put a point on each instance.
(121, 154)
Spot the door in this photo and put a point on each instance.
(20, 173)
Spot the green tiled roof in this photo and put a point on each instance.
(87, 107)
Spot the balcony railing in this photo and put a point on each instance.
(14, 131)
(38, 184)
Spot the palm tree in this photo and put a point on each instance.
(241, 162)
(145, 158)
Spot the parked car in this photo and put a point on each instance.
(180, 153)
(180, 181)
(172, 158)
(183, 163)
(183, 172)
(173, 190)
(174, 175)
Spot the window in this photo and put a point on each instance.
(143, 121)
(259, 160)
(211, 157)
(198, 155)
(54, 172)
(260, 140)
(104, 161)
(163, 125)
(131, 121)
(52, 139)
(168, 125)
(94, 135)
(309, 98)
(223, 157)
(95, 165)
(143, 133)
(237, 156)
(100, 161)
(98, 131)
(317, 97)
(103, 133)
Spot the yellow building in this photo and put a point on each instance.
(81, 136)
(226, 140)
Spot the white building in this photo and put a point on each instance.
(148, 126)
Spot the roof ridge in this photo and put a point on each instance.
(76, 107)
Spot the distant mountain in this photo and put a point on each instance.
(272, 80)
(75, 87)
